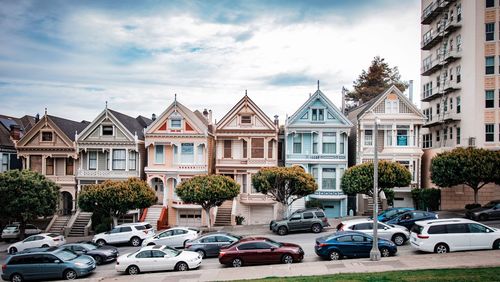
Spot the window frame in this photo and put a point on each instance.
(246, 119)
(295, 143)
(489, 102)
(159, 154)
(227, 152)
(257, 152)
(118, 160)
(42, 138)
(489, 65)
(489, 31)
(175, 126)
(333, 144)
(132, 160)
(107, 126)
(90, 160)
(368, 141)
(489, 136)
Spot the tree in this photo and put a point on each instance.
(376, 80)
(27, 195)
(116, 198)
(470, 166)
(284, 184)
(359, 179)
(208, 191)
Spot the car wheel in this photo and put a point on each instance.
(334, 255)
(133, 270)
(135, 241)
(385, 252)
(16, 277)
(70, 274)
(282, 230)
(12, 250)
(237, 262)
(45, 246)
(181, 266)
(398, 239)
(288, 259)
(483, 217)
(101, 242)
(201, 253)
(316, 228)
(98, 260)
(496, 245)
(441, 249)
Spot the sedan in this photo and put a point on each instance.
(176, 237)
(398, 234)
(210, 244)
(12, 231)
(157, 258)
(408, 219)
(36, 241)
(260, 250)
(489, 211)
(101, 254)
(389, 213)
(351, 244)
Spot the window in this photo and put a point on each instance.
(457, 228)
(459, 100)
(459, 75)
(490, 132)
(227, 149)
(438, 137)
(490, 65)
(437, 229)
(427, 90)
(270, 149)
(244, 183)
(159, 154)
(329, 182)
(209, 239)
(402, 135)
(107, 130)
(341, 144)
(438, 109)
(246, 119)
(490, 31)
(308, 215)
(490, 3)
(329, 143)
(489, 99)
(368, 137)
(459, 12)
(119, 159)
(201, 156)
(132, 159)
(318, 114)
(92, 160)
(427, 140)
(187, 153)
(314, 173)
(47, 136)
(49, 166)
(258, 148)
(69, 166)
(297, 143)
(445, 134)
(144, 254)
(392, 106)
(458, 135)
(477, 228)
(451, 104)
(451, 133)
(315, 143)
(459, 42)
(175, 123)
(245, 149)
(445, 105)
(5, 162)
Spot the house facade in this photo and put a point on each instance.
(179, 145)
(246, 141)
(316, 137)
(400, 122)
(12, 129)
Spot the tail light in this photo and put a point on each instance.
(423, 236)
(325, 220)
(55, 239)
(4, 268)
(322, 245)
(145, 231)
(221, 253)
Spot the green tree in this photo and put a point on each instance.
(359, 179)
(284, 184)
(376, 80)
(116, 198)
(27, 195)
(208, 191)
(473, 167)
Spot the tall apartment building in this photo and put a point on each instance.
(460, 79)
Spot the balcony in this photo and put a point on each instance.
(436, 120)
(432, 11)
(431, 67)
(107, 173)
(452, 55)
(256, 199)
(62, 179)
(315, 157)
(431, 95)
(450, 86)
(451, 116)
(451, 25)
(247, 162)
(432, 38)
(446, 117)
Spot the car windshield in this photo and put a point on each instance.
(394, 215)
(66, 255)
(274, 243)
(490, 205)
(89, 246)
(10, 227)
(390, 213)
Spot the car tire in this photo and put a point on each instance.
(483, 217)
(181, 266)
(45, 246)
(441, 248)
(237, 262)
(12, 250)
(334, 255)
(16, 277)
(282, 231)
(133, 270)
(496, 245)
(135, 241)
(201, 253)
(101, 242)
(384, 252)
(316, 228)
(98, 259)
(70, 274)
(287, 259)
(399, 239)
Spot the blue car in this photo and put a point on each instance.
(351, 244)
(48, 264)
(389, 213)
(408, 219)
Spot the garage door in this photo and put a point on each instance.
(189, 218)
(332, 208)
(261, 215)
(402, 200)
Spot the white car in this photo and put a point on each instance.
(157, 258)
(133, 233)
(456, 234)
(11, 231)
(37, 241)
(174, 237)
(396, 233)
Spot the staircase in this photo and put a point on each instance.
(78, 228)
(223, 217)
(153, 215)
(59, 224)
(369, 209)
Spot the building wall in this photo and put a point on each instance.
(455, 198)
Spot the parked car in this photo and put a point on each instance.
(351, 244)
(12, 231)
(398, 234)
(132, 233)
(174, 237)
(210, 244)
(260, 250)
(101, 254)
(408, 219)
(489, 211)
(313, 220)
(157, 258)
(389, 213)
(457, 234)
(48, 264)
(37, 241)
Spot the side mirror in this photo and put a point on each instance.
(57, 261)
(273, 249)
(386, 228)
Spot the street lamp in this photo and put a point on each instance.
(375, 252)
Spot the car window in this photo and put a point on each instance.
(115, 230)
(437, 229)
(30, 226)
(223, 239)
(247, 246)
(344, 239)
(180, 231)
(417, 229)
(126, 229)
(140, 227)
(457, 228)
(48, 258)
(262, 246)
(165, 234)
(296, 217)
(37, 238)
(497, 206)
(319, 214)
(477, 228)
(209, 239)
(157, 254)
(358, 238)
(29, 239)
(308, 215)
(363, 226)
(407, 216)
(77, 248)
(144, 254)
(171, 252)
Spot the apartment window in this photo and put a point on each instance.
(246, 119)
(490, 3)
(388, 137)
(132, 160)
(427, 138)
(368, 137)
(119, 159)
(489, 99)
(70, 162)
(459, 42)
(270, 149)
(107, 130)
(459, 100)
(402, 137)
(329, 143)
(92, 160)
(490, 132)
(187, 153)
(438, 108)
(490, 65)
(245, 149)
(297, 143)
(318, 115)
(159, 154)
(227, 149)
(459, 12)
(328, 177)
(451, 104)
(445, 105)
(438, 136)
(490, 31)
(315, 143)
(175, 123)
(427, 89)
(458, 136)
(47, 136)
(451, 133)
(341, 144)
(258, 148)
(5, 162)
(49, 166)
(445, 134)
(244, 183)
(459, 75)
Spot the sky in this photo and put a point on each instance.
(72, 56)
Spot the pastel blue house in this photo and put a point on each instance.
(316, 139)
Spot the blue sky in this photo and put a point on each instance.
(72, 56)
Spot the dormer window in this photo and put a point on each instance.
(107, 130)
(175, 123)
(246, 119)
(318, 114)
(392, 106)
(47, 136)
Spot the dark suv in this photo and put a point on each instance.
(301, 220)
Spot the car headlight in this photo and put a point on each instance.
(80, 264)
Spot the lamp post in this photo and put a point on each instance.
(375, 252)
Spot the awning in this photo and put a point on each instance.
(186, 207)
(328, 197)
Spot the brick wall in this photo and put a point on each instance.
(457, 197)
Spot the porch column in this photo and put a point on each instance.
(110, 164)
(44, 165)
(126, 159)
(165, 194)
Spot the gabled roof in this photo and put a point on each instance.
(133, 125)
(199, 121)
(236, 108)
(69, 127)
(24, 123)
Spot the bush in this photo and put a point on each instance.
(472, 206)
(427, 198)
(102, 227)
(389, 195)
(314, 203)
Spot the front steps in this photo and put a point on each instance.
(223, 217)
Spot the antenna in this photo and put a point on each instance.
(106, 105)
(318, 84)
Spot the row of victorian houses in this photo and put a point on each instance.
(181, 143)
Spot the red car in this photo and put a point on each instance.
(260, 250)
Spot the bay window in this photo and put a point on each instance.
(159, 154)
(329, 181)
(258, 148)
(132, 159)
(92, 160)
(297, 143)
(187, 153)
(119, 159)
(329, 143)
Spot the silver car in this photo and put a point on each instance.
(12, 232)
(398, 234)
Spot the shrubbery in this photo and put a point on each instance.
(427, 198)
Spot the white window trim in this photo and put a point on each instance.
(163, 153)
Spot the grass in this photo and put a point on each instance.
(441, 275)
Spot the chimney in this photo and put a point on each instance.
(344, 92)
(410, 90)
(210, 116)
(205, 113)
(153, 117)
(37, 118)
(15, 132)
(276, 120)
